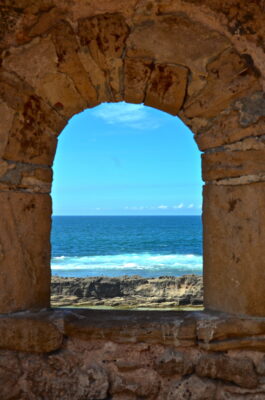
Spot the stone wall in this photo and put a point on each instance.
(104, 355)
(202, 60)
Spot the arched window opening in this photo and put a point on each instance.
(127, 228)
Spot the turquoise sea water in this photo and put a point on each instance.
(127, 245)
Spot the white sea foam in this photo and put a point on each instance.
(144, 261)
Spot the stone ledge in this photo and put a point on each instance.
(29, 333)
(154, 327)
(43, 332)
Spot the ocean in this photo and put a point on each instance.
(148, 246)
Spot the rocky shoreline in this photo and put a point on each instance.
(128, 292)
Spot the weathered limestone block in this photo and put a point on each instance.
(54, 86)
(224, 328)
(68, 62)
(179, 332)
(28, 177)
(33, 127)
(35, 335)
(228, 76)
(239, 371)
(251, 143)
(229, 164)
(176, 39)
(25, 249)
(251, 108)
(261, 366)
(97, 75)
(104, 37)
(136, 76)
(166, 88)
(62, 376)
(173, 362)
(41, 55)
(10, 371)
(255, 343)
(144, 383)
(7, 116)
(193, 388)
(30, 139)
(232, 392)
(224, 129)
(234, 220)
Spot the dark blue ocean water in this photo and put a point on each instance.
(113, 246)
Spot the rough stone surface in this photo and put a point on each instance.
(199, 59)
(233, 273)
(230, 164)
(29, 335)
(25, 251)
(166, 88)
(239, 371)
(173, 362)
(130, 292)
(193, 388)
(102, 367)
(202, 59)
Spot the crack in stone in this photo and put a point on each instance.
(238, 180)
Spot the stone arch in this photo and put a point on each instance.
(195, 59)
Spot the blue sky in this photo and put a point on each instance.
(126, 159)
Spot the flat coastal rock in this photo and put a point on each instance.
(126, 291)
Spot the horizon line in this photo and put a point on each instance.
(127, 215)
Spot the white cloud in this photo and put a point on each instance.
(191, 205)
(162, 207)
(181, 205)
(134, 208)
(131, 115)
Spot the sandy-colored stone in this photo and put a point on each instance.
(41, 54)
(27, 177)
(166, 88)
(173, 362)
(25, 243)
(144, 383)
(33, 335)
(223, 130)
(31, 140)
(98, 369)
(229, 75)
(7, 116)
(255, 343)
(193, 388)
(68, 62)
(229, 328)
(178, 332)
(136, 76)
(229, 164)
(104, 37)
(202, 59)
(234, 252)
(176, 39)
(239, 371)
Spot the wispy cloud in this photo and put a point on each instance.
(181, 205)
(162, 207)
(131, 115)
(191, 205)
(134, 208)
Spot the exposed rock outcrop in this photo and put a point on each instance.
(129, 292)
